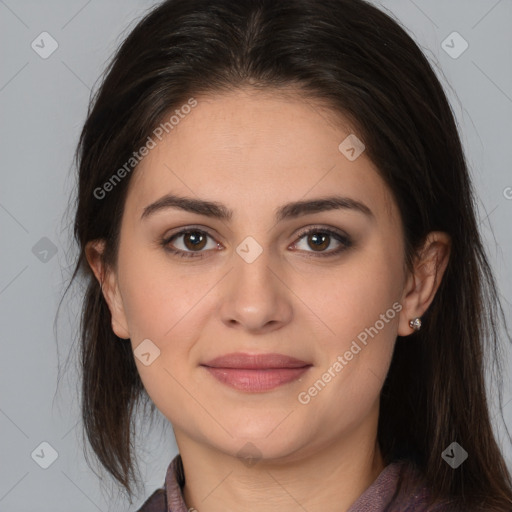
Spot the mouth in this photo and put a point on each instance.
(256, 373)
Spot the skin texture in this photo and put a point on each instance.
(254, 151)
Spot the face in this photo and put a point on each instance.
(322, 286)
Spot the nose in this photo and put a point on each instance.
(255, 296)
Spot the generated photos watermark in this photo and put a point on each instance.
(305, 397)
(151, 143)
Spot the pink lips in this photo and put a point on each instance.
(256, 373)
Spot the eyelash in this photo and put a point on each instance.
(342, 238)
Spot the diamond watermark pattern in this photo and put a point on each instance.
(249, 454)
(44, 455)
(454, 455)
(146, 352)
(454, 45)
(44, 45)
(44, 250)
(249, 249)
(351, 147)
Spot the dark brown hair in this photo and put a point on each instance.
(363, 64)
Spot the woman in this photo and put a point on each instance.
(276, 223)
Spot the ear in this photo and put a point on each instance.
(109, 286)
(423, 283)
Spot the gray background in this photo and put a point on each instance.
(43, 104)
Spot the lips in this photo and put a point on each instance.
(256, 372)
(256, 361)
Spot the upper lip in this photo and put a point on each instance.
(255, 361)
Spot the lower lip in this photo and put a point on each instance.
(256, 380)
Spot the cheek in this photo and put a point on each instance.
(154, 296)
(357, 297)
(161, 304)
(354, 363)
(361, 307)
(157, 309)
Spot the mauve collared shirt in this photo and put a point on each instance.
(374, 499)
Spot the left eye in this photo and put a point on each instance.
(321, 239)
(194, 240)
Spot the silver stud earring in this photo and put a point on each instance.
(415, 323)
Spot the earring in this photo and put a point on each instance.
(415, 323)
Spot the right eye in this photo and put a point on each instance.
(193, 242)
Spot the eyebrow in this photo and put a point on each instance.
(291, 210)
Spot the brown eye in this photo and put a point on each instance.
(192, 244)
(319, 239)
(194, 240)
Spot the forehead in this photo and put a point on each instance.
(255, 148)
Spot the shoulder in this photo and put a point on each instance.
(157, 502)
(413, 494)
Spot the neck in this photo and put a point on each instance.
(327, 478)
